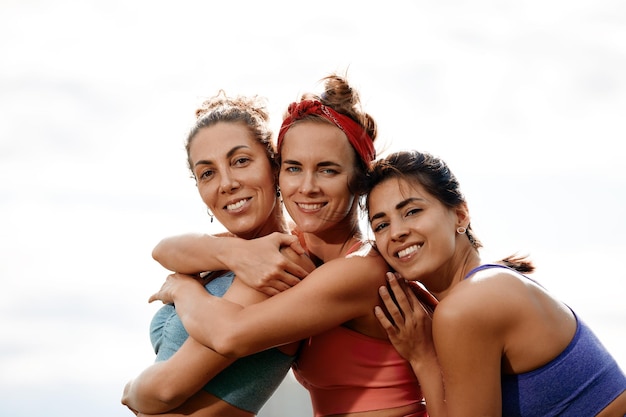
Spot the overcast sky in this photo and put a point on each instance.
(524, 99)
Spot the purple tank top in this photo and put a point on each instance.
(581, 381)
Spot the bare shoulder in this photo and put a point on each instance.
(366, 262)
(362, 271)
(491, 298)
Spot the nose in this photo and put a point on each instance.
(399, 231)
(309, 184)
(228, 183)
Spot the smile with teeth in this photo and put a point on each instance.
(310, 206)
(408, 251)
(237, 205)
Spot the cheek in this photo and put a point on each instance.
(283, 183)
(381, 245)
(207, 195)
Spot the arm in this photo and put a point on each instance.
(264, 267)
(337, 292)
(168, 384)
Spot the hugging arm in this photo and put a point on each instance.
(336, 292)
(169, 384)
(166, 385)
(264, 266)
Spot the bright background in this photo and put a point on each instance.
(524, 99)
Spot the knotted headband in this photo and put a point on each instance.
(357, 136)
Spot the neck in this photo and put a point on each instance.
(328, 246)
(274, 223)
(443, 281)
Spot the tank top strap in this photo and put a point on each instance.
(486, 266)
(354, 247)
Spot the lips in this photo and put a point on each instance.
(408, 251)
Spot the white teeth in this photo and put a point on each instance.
(310, 206)
(236, 205)
(408, 251)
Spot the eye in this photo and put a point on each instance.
(241, 161)
(377, 227)
(292, 169)
(329, 171)
(413, 211)
(206, 174)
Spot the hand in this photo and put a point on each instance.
(409, 325)
(172, 282)
(268, 264)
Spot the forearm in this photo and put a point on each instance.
(430, 379)
(194, 304)
(193, 253)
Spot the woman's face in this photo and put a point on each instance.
(414, 231)
(317, 165)
(235, 179)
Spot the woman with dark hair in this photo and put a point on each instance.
(498, 343)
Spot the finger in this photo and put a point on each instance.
(269, 291)
(293, 273)
(154, 297)
(416, 307)
(297, 246)
(384, 321)
(285, 282)
(283, 239)
(399, 294)
(390, 305)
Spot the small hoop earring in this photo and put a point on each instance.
(210, 214)
(277, 191)
(461, 230)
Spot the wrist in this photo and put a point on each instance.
(425, 364)
(225, 249)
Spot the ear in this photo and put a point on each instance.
(462, 215)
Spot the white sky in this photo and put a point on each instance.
(525, 100)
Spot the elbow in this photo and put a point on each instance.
(157, 252)
(168, 396)
(229, 345)
(151, 398)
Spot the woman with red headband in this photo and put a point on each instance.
(345, 360)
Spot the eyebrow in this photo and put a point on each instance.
(399, 206)
(228, 155)
(321, 164)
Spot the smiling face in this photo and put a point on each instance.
(415, 232)
(235, 179)
(317, 166)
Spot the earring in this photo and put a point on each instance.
(210, 214)
(278, 195)
(460, 230)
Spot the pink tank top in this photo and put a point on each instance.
(346, 371)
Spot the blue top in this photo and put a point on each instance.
(248, 382)
(581, 381)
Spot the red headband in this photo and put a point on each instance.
(357, 136)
